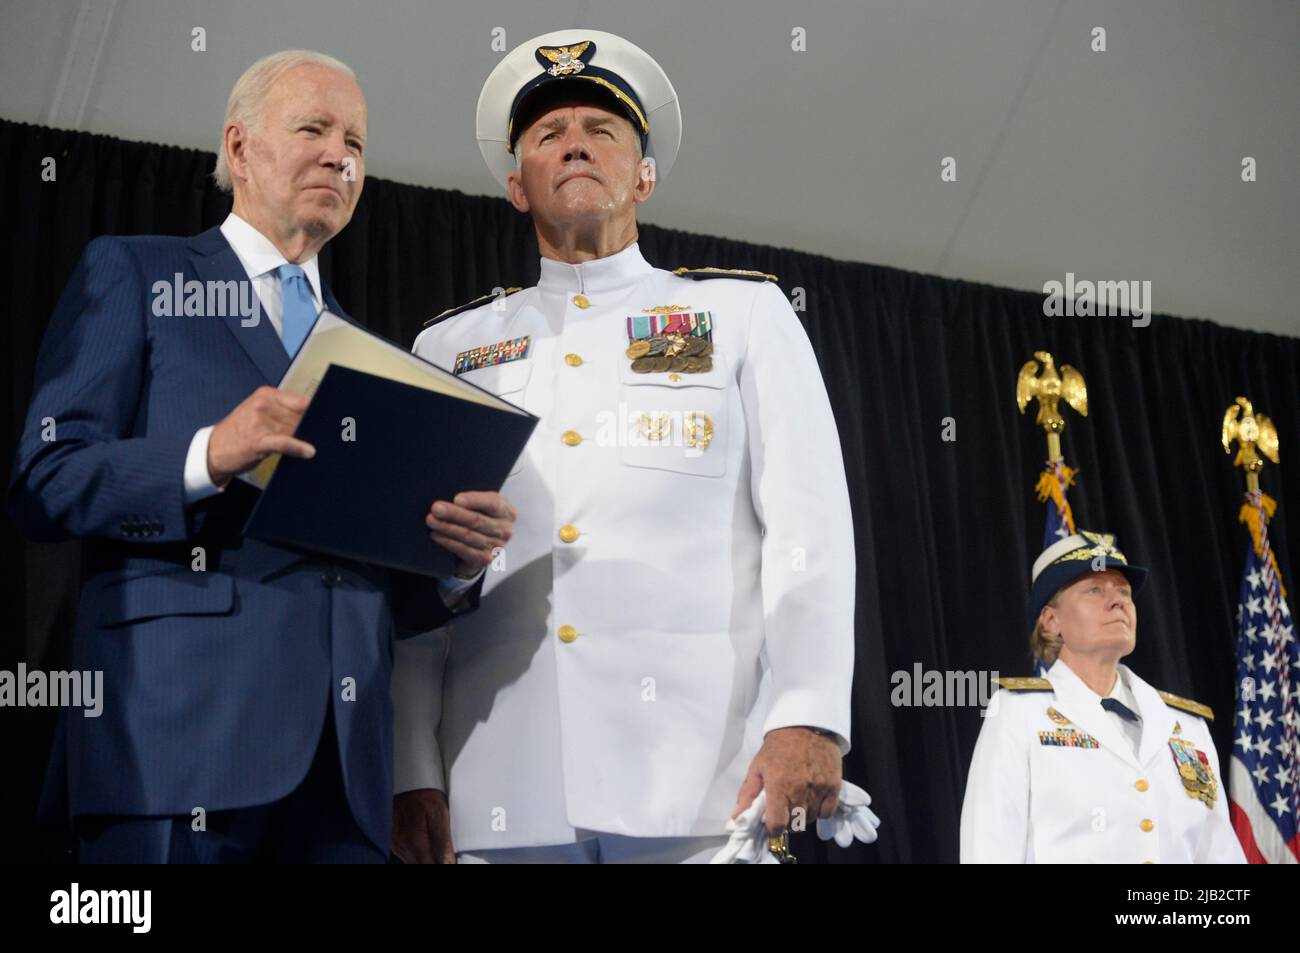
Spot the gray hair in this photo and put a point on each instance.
(245, 103)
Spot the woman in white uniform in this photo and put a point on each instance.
(1091, 764)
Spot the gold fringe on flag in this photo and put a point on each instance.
(1250, 515)
(1053, 482)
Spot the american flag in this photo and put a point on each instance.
(1263, 780)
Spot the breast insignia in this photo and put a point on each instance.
(469, 305)
(699, 274)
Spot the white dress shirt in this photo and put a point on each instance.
(260, 259)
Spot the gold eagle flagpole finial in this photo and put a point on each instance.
(1255, 434)
(1050, 388)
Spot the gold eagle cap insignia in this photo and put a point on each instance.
(1103, 543)
(565, 59)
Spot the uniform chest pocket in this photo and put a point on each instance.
(508, 381)
(502, 379)
(676, 421)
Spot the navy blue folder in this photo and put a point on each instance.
(366, 499)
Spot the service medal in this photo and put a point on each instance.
(1194, 771)
(670, 338)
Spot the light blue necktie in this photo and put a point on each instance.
(299, 306)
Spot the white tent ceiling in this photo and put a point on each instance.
(1123, 164)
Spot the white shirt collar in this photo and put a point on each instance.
(259, 256)
(1121, 692)
(601, 274)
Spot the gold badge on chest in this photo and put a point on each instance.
(699, 430)
(655, 427)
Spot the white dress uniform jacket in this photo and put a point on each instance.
(1037, 795)
(661, 607)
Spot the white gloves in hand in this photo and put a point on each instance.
(852, 818)
(748, 843)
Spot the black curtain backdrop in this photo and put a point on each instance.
(946, 530)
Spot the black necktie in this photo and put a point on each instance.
(1119, 708)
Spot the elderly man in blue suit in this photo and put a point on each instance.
(247, 712)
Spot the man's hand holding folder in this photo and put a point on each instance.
(369, 430)
(472, 526)
(262, 425)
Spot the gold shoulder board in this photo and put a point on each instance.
(1025, 684)
(468, 305)
(1186, 704)
(699, 274)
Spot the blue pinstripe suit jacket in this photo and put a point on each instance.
(216, 682)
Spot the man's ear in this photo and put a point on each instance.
(646, 178)
(235, 142)
(515, 191)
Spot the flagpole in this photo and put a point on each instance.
(1049, 388)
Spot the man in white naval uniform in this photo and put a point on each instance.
(672, 629)
(1091, 764)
